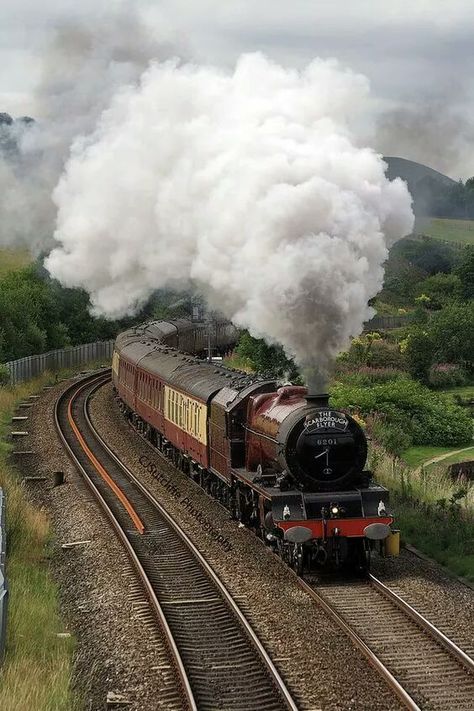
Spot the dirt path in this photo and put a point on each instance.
(440, 457)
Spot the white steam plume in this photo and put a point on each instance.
(82, 69)
(248, 186)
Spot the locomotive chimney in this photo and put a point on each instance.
(318, 400)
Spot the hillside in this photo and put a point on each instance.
(427, 186)
(414, 173)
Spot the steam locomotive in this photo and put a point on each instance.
(280, 459)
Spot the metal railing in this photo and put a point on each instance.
(385, 323)
(32, 366)
(3, 580)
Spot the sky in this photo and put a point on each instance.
(418, 55)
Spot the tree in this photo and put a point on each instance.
(440, 289)
(419, 351)
(28, 314)
(266, 359)
(452, 332)
(38, 314)
(465, 272)
(469, 197)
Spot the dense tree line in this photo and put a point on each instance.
(455, 201)
(37, 315)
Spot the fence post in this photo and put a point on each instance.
(3, 581)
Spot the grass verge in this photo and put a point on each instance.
(414, 456)
(464, 391)
(37, 669)
(438, 534)
(465, 456)
(434, 513)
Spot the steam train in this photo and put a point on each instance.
(280, 459)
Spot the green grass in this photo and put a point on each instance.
(414, 456)
(13, 259)
(450, 230)
(466, 456)
(442, 535)
(37, 670)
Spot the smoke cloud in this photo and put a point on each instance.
(247, 186)
(82, 69)
(437, 133)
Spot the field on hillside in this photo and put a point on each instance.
(11, 259)
(449, 230)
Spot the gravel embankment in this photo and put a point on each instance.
(319, 664)
(101, 602)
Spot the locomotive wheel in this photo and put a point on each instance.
(298, 558)
(359, 562)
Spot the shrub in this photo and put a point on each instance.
(426, 417)
(440, 288)
(386, 355)
(446, 375)
(393, 437)
(366, 375)
(373, 350)
(4, 375)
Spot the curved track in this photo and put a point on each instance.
(218, 659)
(424, 668)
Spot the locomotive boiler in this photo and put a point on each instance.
(280, 459)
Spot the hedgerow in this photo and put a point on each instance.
(409, 407)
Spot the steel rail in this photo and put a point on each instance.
(464, 659)
(278, 681)
(350, 625)
(73, 391)
(359, 643)
(138, 523)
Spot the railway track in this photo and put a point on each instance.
(423, 667)
(218, 659)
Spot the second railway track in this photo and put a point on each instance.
(219, 660)
(425, 668)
